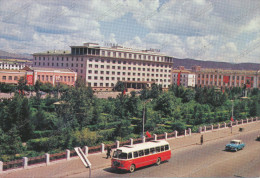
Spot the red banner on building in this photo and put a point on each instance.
(248, 82)
(179, 79)
(226, 79)
(29, 79)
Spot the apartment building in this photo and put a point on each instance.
(103, 67)
(14, 64)
(11, 76)
(184, 77)
(227, 78)
(44, 75)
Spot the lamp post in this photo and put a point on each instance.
(232, 114)
(144, 112)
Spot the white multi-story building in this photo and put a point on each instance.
(102, 67)
(13, 64)
(183, 77)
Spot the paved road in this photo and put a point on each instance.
(208, 160)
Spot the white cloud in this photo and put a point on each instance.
(201, 29)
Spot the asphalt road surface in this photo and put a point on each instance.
(207, 160)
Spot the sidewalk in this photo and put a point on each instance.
(75, 166)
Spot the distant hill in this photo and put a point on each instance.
(7, 55)
(188, 63)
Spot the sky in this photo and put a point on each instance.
(210, 30)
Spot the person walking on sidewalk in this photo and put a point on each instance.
(201, 139)
(108, 152)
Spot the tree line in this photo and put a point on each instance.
(73, 116)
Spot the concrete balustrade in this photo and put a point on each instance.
(212, 127)
(225, 125)
(102, 147)
(231, 123)
(185, 132)
(242, 122)
(205, 128)
(117, 144)
(86, 150)
(190, 131)
(155, 136)
(236, 122)
(247, 121)
(131, 141)
(68, 154)
(176, 133)
(165, 135)
(1, 166)
(25, 162)
(143, 139)
(200, 129)
(47, 157)
(218, 126)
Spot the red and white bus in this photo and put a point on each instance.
(130, 157)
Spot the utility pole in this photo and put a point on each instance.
(143, 118)
(232, 113)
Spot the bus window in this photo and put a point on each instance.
(122, 156)
(157, 149)
(146, 152)
(166, 147)
(117, 153)
(152, 150)
(135, 154)
(162, 148)
(129, 155)
(141, 152)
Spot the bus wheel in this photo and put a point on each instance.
(158, 162)
(132, 168)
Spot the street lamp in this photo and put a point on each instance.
(232, 114)
(144, 112)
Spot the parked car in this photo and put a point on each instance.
(235, 145)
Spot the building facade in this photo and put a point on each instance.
(54, 76)
(181, 76)
(103, 67)
(14, 64)
(44, 75)
(227, 78)
(11, 76)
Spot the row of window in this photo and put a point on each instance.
(59, 64)
(124, 79)
(129, 68)
(11, 65)
(221, 76)
(180, 75)
(128, 73)
(61, 78)
(140, 153)
(136, 56)
(129, 62)
(10, 77)
(58, 58)
(211, 83)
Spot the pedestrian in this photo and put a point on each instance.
(201, 139)
(108, 152)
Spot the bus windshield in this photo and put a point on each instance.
(118, 154)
